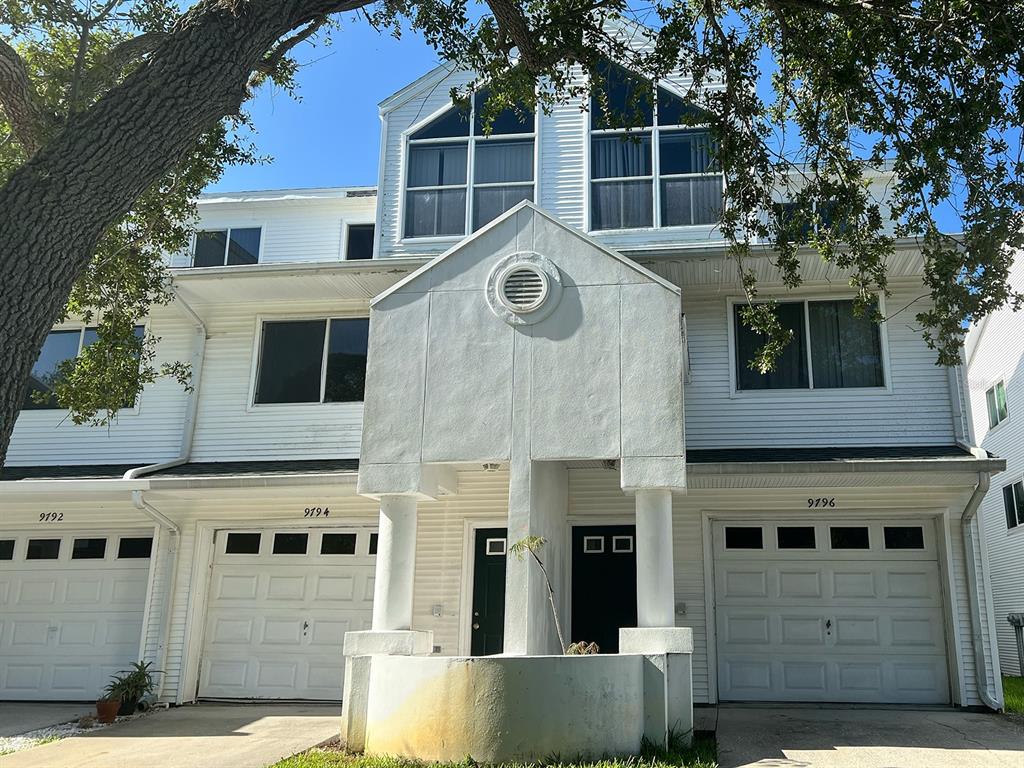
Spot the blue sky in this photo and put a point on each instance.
(330, 138)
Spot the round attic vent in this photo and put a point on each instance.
(523, 288)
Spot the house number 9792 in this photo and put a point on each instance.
(823, 501)
(317, 512)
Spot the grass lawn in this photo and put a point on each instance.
(702, 754)
(1013, 693)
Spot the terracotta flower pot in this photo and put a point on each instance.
(106, 709)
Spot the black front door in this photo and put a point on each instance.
(603, 583)
(488, 592)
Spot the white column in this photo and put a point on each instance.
(655, 585)
(396, 561)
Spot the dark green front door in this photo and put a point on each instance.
(603, 583)
(488, 591)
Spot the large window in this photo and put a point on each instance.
(831, 348)
(458, 178)
(995, 398)
(1013, 504)
(220, 247)
(649, 165)
(58, 347)
(312, 361)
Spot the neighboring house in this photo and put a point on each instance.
(539, 377)
(995, 372)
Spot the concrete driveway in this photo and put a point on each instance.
(199, 736)
(867, 738)
(21, 717)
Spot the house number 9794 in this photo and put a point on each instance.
(823, 501)
(317, 512)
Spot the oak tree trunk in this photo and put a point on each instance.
(55, 207)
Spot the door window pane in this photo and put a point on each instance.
(43, 549)
(338, 544)
(796, 537)
(432, 213)
(290, 543)
(437, 165)
(6, 549)
(360, 242)
(244, 246)
(58, 347)
(291, 359)
(849, 537)
(790, 368)
(490, 202)
(904, 537)
(137, 547)
(243, 544)
(346, 360)
(210, 247)
(89, 549)
(621, 204)
(845, 350)
(743, 537)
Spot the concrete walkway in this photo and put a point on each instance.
(199, 736)
(18, 717)
(867, 738)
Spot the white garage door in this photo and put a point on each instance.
(280, 604)
(845, 611)
(71, 607)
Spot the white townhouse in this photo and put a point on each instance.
(528, 332)
(995, 371)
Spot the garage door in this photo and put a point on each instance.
(71, 607)
(280, 604)
(845, 611)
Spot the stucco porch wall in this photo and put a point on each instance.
(505, 708)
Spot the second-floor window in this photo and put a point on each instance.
(648, 168)
(459, 178)
(995, 399)
(359, 242)
(312, 361)
(220, 247)
(1013, 504)
(831, 348)
(59, 346)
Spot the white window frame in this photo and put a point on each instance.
(656, 178)
(993, 390)
(346, 226)
(470, 186)
(133, 411)
(227, 244)
(1018, 529)
(795, 392)
(257, 355)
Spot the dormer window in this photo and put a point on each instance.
(458, 179)
(649, 167)
(220, 247)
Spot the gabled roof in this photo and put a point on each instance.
(514, 211)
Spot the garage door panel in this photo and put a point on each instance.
(817, 629)
(276, 623)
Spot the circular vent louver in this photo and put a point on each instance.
(524, 289)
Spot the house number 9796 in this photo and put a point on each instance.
(823, 501)
(317, 512)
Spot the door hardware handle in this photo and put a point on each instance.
(828, 624)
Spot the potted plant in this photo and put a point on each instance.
(106, 709)
(127, 688)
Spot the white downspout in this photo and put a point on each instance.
(977, 641)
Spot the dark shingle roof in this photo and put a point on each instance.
(878, 453)
(66, 472)
(254, 468)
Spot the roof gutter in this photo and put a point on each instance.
(977, 640)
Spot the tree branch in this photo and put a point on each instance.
(31, 122)
(273, 59)
(126, 52)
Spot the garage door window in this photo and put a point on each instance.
(743, 537)
(849, 537)
(89, 549)
(43, 549)
(338, 544)
(904, 537)
(796, 537)
(134, 547)
(7, 549)
(243, 544)
(290, 543)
